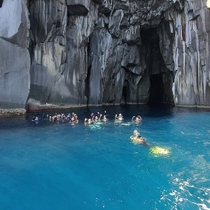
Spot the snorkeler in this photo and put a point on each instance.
(88, 121)
(137, 119)
(35, 120)
(104, 119)
(119, 117)
(136, 138)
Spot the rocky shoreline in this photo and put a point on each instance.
(12, 112)
(18, 112)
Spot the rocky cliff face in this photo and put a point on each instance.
(14, 54)
(104, 52)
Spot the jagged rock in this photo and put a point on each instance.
(14, 23)
(48, 55)
(106, 74)
(190, 53)
(79, 31)
(115, 22)
(131, 51)
(131, 35)
(14, 75)
(105, 51)
(14, 55)
(106, 7)
(131, 59)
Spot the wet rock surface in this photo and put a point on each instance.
(97, 52)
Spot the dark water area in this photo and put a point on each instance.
(48, 165)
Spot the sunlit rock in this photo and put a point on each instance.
(14, 22)
(14, 55)
(86, 52)
(208, 4)
(14, 71)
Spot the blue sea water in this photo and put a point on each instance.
(60, 166)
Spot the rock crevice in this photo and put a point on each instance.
(93, 52)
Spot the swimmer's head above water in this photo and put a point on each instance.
(136, 133)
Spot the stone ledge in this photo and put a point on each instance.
(12, 112)
(31, 107)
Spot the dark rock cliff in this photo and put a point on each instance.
(63, 53)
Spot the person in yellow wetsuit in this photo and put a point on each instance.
(136, 138)
(157, 151)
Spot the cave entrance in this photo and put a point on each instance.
(160, 77)
(124, 98)
(160, 91)
(156, 89)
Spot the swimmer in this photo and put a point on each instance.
(35, 120)
(119, 117)
(73, 120)
(85, 121)
(104, 119)
(136, 138)
(89, 122)
(137, 119)
(96, 119)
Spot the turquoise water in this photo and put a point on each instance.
(61, 166)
